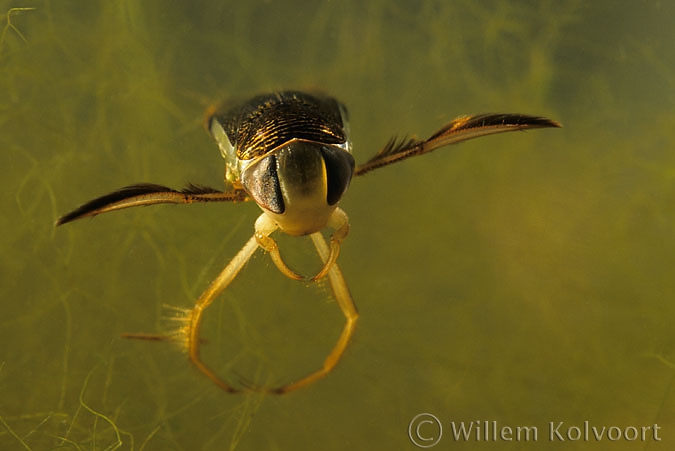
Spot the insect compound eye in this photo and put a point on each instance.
(313, 170)
(261, 180)
(339, 169)
(298, 175)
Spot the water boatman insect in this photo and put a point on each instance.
(290, 153)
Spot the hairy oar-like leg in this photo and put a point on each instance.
(338, 221)
(192, 340)
(458, 130)
(344, 300)
(150, 194)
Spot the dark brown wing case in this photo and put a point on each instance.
(267, 121)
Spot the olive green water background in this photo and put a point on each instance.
(525, 278)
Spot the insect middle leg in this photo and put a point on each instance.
(264, 227)
(227, 275)
(346, 304)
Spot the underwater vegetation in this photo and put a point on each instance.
(520, 277)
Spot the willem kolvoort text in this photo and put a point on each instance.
(555, 431)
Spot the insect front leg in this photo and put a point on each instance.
(264, 226)
(340, 223)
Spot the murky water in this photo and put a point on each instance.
(523, 279)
